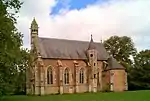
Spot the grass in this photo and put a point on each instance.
(119, 96)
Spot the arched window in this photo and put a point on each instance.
(81, 77)
(66, 76)
(49, 76)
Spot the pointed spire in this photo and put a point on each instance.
(34, 24)
(91, 44)
(34, 21)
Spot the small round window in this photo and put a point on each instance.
(91, 55)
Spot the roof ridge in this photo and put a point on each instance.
(68, 40)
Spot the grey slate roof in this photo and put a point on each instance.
(68, 49)
(72, 49)
(113, 64)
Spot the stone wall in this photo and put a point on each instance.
(51, 89)
(74, 86)
(114, 80)
(105, 79)
(119, 80)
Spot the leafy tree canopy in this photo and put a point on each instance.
(10, 43)
(140, 74)
(121, 48)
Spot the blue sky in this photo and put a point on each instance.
(117, 17)
(73, 4)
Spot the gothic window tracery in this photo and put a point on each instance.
(49, 76)
(66, 76)
(81, 75)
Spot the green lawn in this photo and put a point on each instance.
(123, 96)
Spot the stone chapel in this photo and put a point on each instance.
(61, 66)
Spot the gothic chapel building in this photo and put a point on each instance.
(68, 66)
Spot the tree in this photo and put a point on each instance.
(140, 74)
(121, 48)
(24, 63)
(10, 43)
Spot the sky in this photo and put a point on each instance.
(78, 19)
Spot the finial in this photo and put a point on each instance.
(101, 40)
(91, 44)
(91, 38)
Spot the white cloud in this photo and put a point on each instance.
(119, 17)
